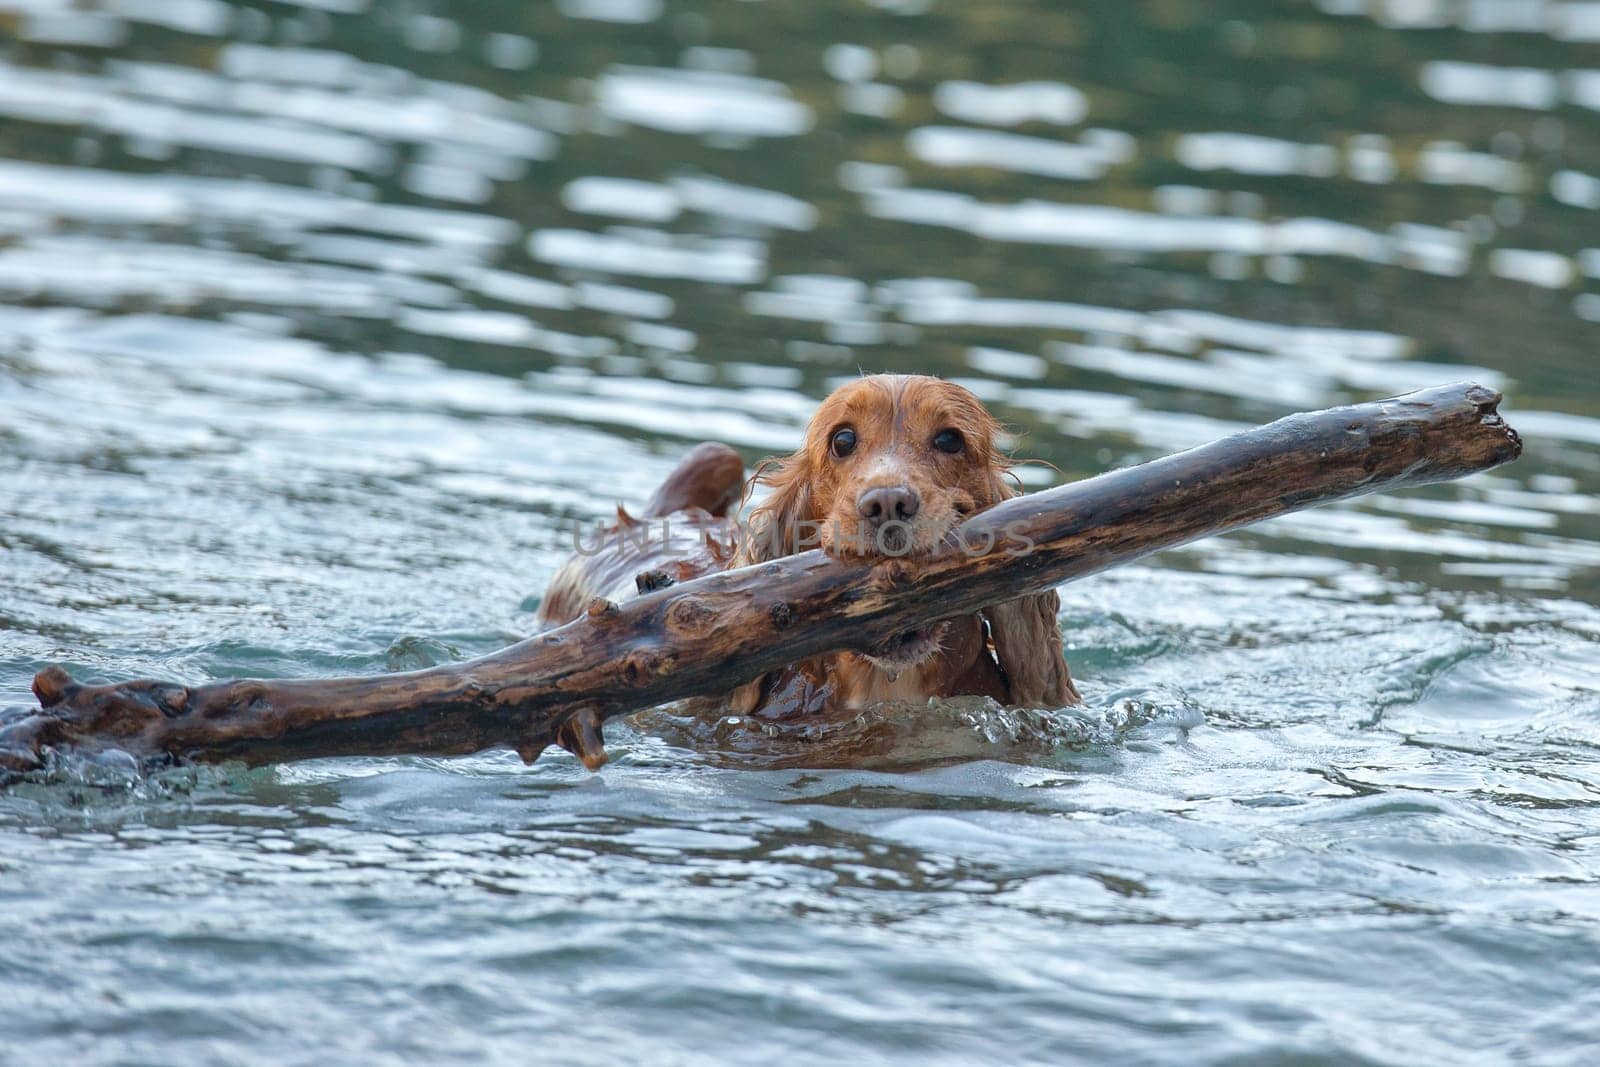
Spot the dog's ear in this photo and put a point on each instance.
(770, 532)
(771, 529)
(1026, 635)
(1027, 645)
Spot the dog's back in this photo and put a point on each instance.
(683, 532)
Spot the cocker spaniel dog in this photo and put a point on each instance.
(891, 464)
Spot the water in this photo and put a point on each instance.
(322, 321)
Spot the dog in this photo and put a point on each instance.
(890, 465)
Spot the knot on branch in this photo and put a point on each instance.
(50, 686)
(127, 704)
(894, 573)
(651, 580)
(581, 736)
(691, 617)
(128, 715)
(641, 666)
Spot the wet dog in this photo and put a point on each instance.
(890, 465)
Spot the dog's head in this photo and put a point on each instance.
(890, 465)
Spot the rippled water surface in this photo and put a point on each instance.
(321, 321)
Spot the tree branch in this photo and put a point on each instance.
(714, 633)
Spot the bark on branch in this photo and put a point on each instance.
(711, 634)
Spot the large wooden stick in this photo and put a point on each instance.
(711, 634)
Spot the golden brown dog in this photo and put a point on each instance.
(891, 464)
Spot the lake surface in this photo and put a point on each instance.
(322, 322)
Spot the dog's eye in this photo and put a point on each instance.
(843, 442)
(948, 441)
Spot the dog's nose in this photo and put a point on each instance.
(879, 506)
